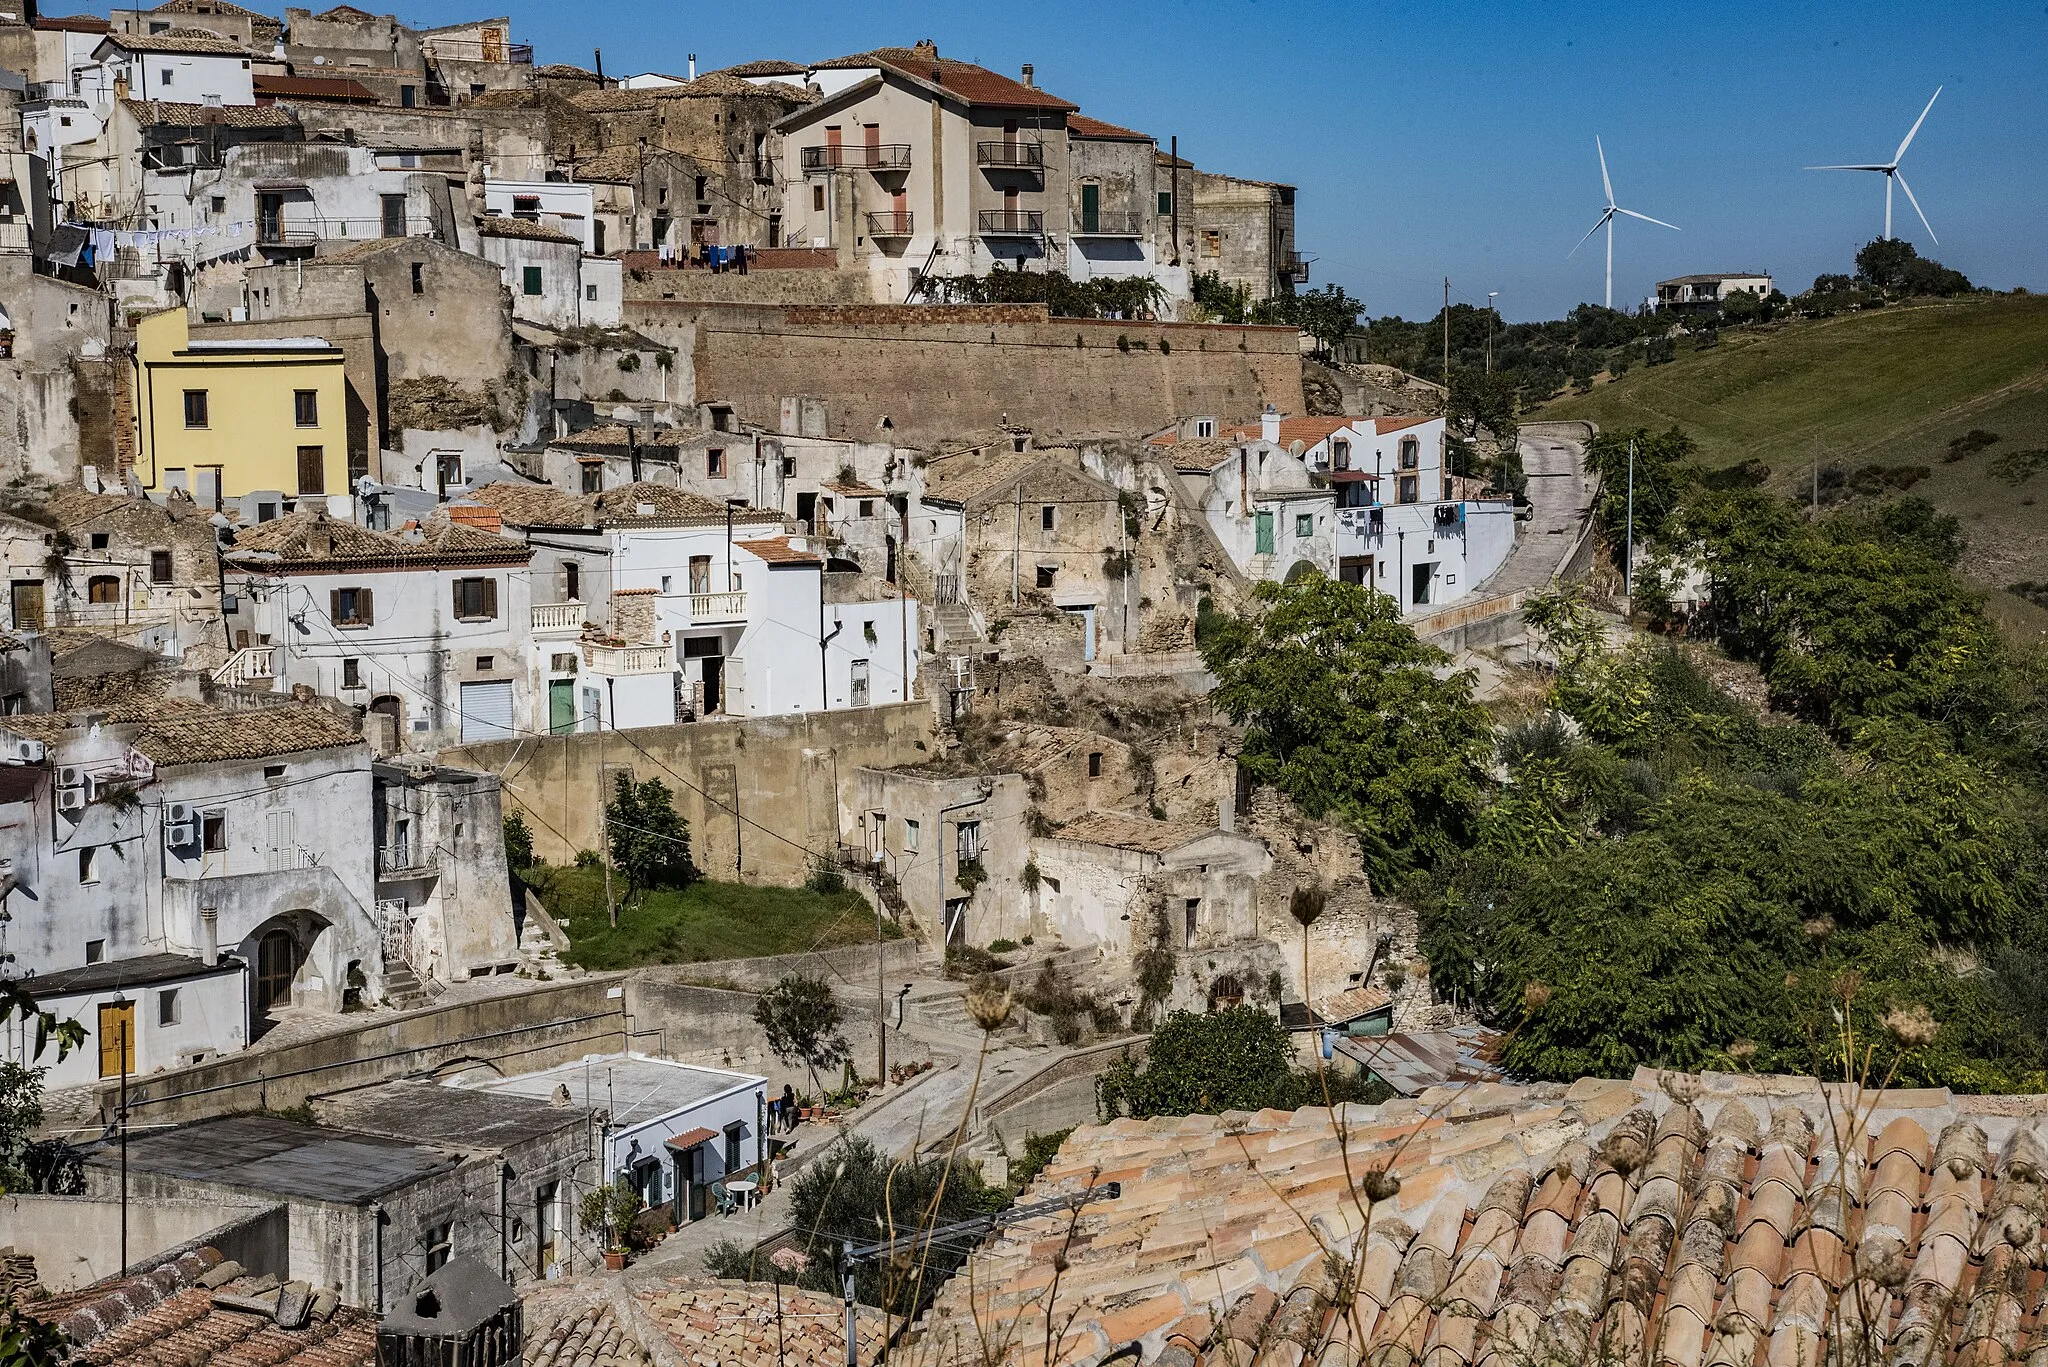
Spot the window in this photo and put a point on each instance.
(1191, 912)
(350, 607)
(164, 78)
(1165, 203)
(1411, 453)
(95, 951)
(351, 673)
(1212, 242)
(485, 663)
(1304, 524)
(590, 294)
(306, 407)
(447, 471)
(103, 588)
(1095, 764)
(859, 684)
(419, 277)
(572, 582)
(1341, 455)
(867, 507)
(1407, 488)
(703, 183)
(564, 663)
(1045, 575)
(312, 470)
(408, 96)
(438, 1246)
(526, 206)
(1205, 427)
(912, 833)
(99, 541)
(530, 280)
(789, 467)
(220, 204)
(159, 567)
(476, 599)
(167, 1006)
(593, 478)
(195, 408)
(817, 199)
(714, 463)
(1047, 516)
(274, 773)
(89, 872)
(667, 582)
(967, 841)
(213, 831)
(700, 574)
(392, 209)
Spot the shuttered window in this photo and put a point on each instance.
(350, 607)
(476, 599)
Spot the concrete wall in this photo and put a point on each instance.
(971, 366)
(551, 1024)
(759, 795)
(76, 1240)
(716, 1027)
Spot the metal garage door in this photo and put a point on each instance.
(486, 711)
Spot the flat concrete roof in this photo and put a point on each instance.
(426, 1113)
(634, 1088)
(285, 1159)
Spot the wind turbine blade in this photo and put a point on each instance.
(1848, 168)
(1647, 219)
(1605, 183)
(1901, 179)
(1896, 156)
(1590, 231)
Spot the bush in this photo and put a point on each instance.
(1039, 1150)
(1002, 946)
(518, 842)
(825, 879)
(587, 859)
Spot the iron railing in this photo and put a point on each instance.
(1111, 224)
(858, 156)
(889, 224)
(1025, 156)
(1013, 222)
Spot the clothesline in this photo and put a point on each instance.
(93, 245)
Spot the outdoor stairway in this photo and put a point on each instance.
(956, 624)
(403, 989)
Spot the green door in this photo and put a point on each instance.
(561, 706)
(1091, 208)
(1264, 533)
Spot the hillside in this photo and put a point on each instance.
(1890, 388)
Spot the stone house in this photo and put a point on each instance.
(26, 680)
(222, 18)
(542, 268)
(913, 162)
(57, 380)
(426, 628)
(1120, 881)
(1241, 231)
(138, 571)
(1114, 205)
(470, 59)
(373, 49)
(713, 154)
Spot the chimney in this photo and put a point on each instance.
(1269, 425)
(209, 930)
(1029, 81)
(693, 66)
(320, 537)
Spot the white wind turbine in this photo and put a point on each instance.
(1892, 173)
(1607, 220)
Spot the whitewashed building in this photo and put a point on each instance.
(185, 65)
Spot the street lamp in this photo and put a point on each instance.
(1491, 295)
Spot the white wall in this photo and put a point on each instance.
(192, 76)
(603, 301)
(572, 206)
(212, 1018)
(893, 621)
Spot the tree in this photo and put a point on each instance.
(29, 1342)
(1328, 314)
(518, 842)
(21, 1113)
(1892, 266)
(1237, 1059)
(650, 843)
(1663, 473)
(801, 1021)
(1349, 714)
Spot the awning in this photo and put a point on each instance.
(690, 1139)
(278, 186)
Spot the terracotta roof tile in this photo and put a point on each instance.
(154, 112)
(778, 551)
(1081, 126)
(503, 225)
(181, 40)
(304, 540)
(974, 84)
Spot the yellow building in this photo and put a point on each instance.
(223, 418)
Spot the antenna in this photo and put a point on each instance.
(1607, 217)
(1893, 173)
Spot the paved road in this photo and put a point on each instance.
(1560, 499)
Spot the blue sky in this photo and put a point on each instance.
(1457, 138)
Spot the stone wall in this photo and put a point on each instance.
(970, 366)
(760, 795)
(715, 1028)
(647, 281)
(76, 1240)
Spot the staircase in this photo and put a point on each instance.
(955, 622)
(403, 990)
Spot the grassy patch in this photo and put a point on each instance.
(706, 922)
(1958, 387)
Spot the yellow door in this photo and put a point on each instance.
(117, 1038)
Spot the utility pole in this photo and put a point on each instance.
(1628, 552)
(1016, 544)
(1447, 336)
(1491, 295)
(903, 591)
(121, 1115)
(1173, 198)
(881, 1016)
(604, 835)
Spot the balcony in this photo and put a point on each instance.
(1012, 223)
(552, 618)
(281, 231)
(889, 224)
(250, 664)
(1015, 156)
(709, 608)
(621, 661)
(858, 156)
(1292, 267)
(490, 48)
(1102, 224)
(407, 860)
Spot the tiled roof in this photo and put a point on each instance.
(1411, 1062)
(724, 85)
(565, 71)
(974, 84)
(579, 1330)
(171, 1315)
(854, 489)
(341, 88)
(610, 435)
(501, 225)
(734, 1324)
(1352, 1003)
(543, 505)
(777, 551)
(1081, 126)
(1125, 832)
(662, 501)
(533, 505)
(1395, 424)
(1671, 1219)
(72, 23)
(612, 101)
(293, 539)
(152, 112)
(970, 474)
(188, 40)
(616, 164)
(173, 731)
(766, 66)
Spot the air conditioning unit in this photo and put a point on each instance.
(71, 799)
(178, 836)
(178, 814)
(25, 751)
(70, 776)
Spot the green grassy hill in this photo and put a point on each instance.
(1886, 388)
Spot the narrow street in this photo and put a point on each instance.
(1560, 499)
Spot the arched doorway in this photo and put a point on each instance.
(1225, 993)
(277, 962)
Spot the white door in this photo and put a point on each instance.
(487, 711)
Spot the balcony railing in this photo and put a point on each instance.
(1013, 222)
(478, 50)
(304, 232)
(706, 608)
(553, 617)
(250, 664)
(1103, 224)
(889, 224)
(1023, 156)
(406, 860)
(858, 156)
(619, 661)
(1292, 267)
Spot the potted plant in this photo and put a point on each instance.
(610, 1210)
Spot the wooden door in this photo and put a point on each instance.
(833, 147)
(275, 955)
(117, 1038)
(26, 597)
(312, 470)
